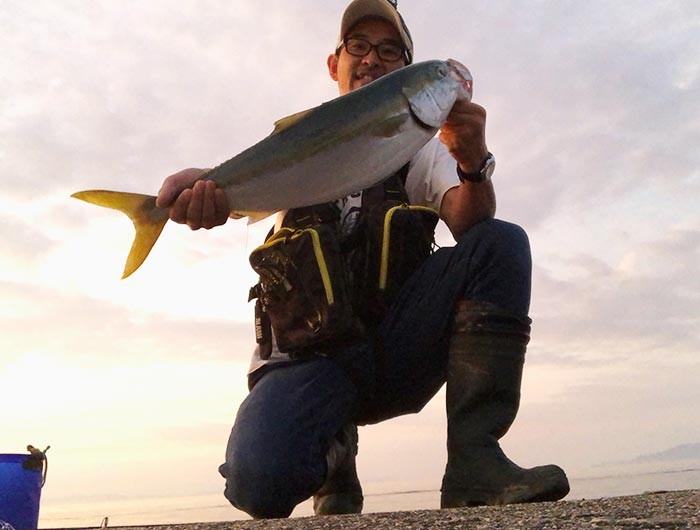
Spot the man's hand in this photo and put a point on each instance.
(464, 135)
(197, 203)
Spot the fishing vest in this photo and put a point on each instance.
(319, 287)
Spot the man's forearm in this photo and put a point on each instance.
(465, 205)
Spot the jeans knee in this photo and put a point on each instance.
(497, 240)
(498, 232)
(498, 264)
(257, 489)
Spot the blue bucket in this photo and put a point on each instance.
(20, 491)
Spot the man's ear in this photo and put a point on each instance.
(333, 66)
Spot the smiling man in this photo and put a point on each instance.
(366, 60)
(459, 317)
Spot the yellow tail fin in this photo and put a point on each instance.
(148, 220)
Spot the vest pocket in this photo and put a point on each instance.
(398, 238)
(303, 289)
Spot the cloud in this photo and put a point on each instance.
(23, 243)
(197, 436)
(642, 403)
(42, 320)
(638, 309)
(124, 96)
(586, 103)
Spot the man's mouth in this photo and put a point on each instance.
(367, 77)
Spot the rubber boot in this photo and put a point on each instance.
(484, 372)
(341, 493)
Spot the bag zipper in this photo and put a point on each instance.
(321, 260)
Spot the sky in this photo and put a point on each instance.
(594, 118)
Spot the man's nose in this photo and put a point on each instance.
(372, 57)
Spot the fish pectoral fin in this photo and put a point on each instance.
(390, 127)
(148, 220)
(254, 217)
(287, 122)
(425, 108)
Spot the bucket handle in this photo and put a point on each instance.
(45, 469)
(37, 461)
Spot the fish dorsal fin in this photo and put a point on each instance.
(286, 123)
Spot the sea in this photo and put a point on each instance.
(606, 481)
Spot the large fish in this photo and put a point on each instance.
(338, 148)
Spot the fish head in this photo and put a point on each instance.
(463, 76)
(434, 88)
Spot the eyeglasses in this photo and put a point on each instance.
(387, 51)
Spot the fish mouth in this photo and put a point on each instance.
(462, 75)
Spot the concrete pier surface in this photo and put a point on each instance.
(662, 509)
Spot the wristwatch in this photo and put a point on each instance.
(483, 175)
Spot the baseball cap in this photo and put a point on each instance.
(386, 9)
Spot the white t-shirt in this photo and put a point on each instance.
(431, 172)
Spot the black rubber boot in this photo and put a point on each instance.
(484, 372)
(341, 493)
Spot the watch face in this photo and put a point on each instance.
(489, 167)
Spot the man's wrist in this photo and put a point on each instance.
(482, 175)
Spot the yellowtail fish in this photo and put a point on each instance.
(331, 151)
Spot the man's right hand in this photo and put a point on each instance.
(197, 203)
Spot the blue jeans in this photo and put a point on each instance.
(275, 457)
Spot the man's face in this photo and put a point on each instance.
(351, 72)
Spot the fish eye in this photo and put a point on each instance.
(441, 71)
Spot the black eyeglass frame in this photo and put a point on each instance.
(403, 54)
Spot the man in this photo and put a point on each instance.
(461, 318)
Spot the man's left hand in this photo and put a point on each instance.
(464, 135)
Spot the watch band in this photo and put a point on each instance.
(484, 173)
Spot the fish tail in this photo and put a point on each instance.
(148, 220)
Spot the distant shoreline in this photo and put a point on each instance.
(674, 509)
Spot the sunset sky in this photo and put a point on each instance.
(594, 118)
